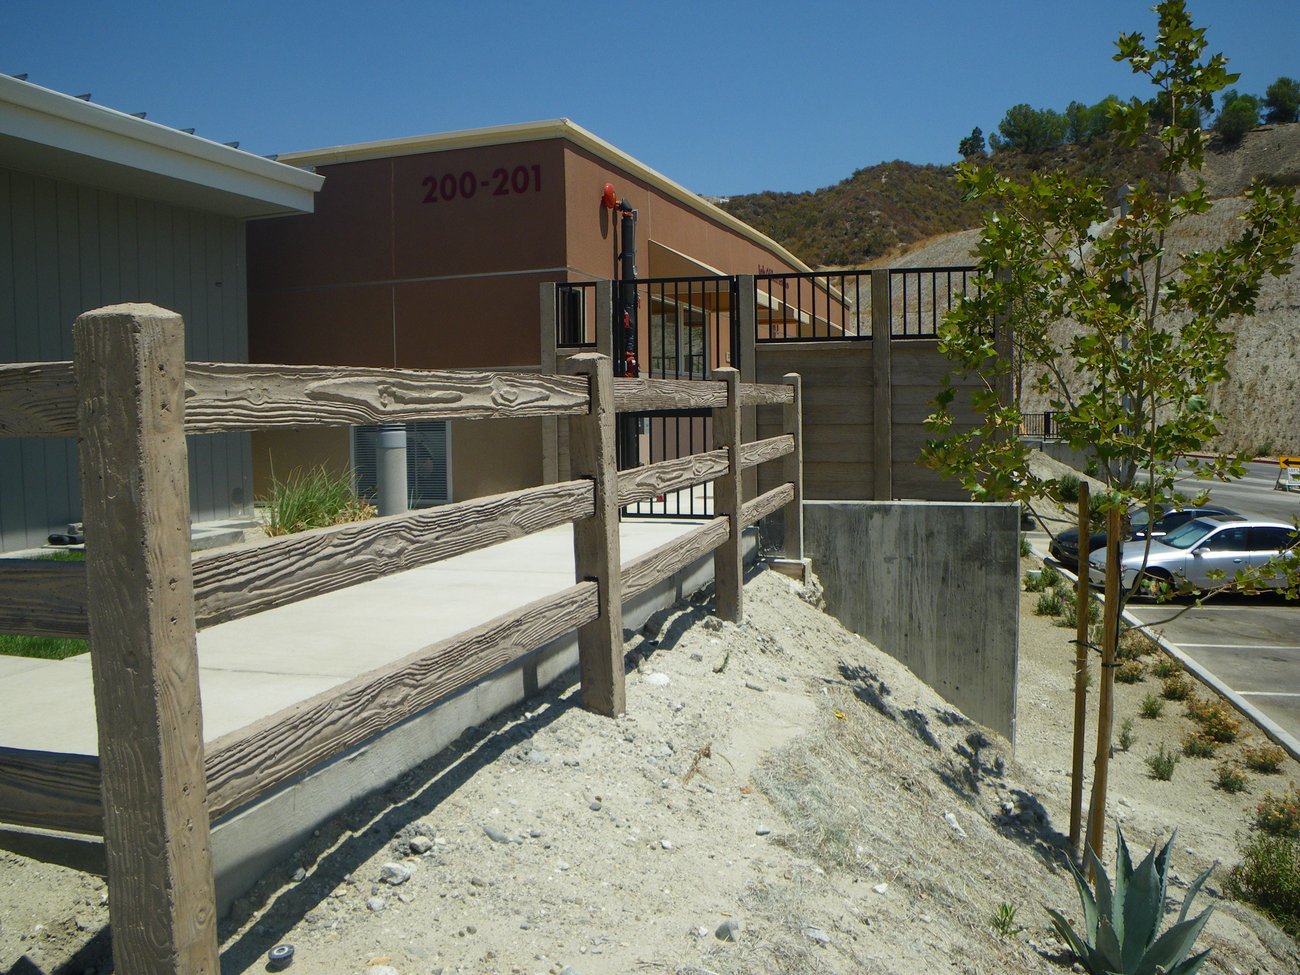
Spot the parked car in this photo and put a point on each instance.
(1065, 545)
(1196, 552)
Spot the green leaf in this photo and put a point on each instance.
(1172, 946)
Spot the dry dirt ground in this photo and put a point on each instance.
(782, 774)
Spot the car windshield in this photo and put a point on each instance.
(1139, 518)
(1189, 534)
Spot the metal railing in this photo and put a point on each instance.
(812, 306)
(920, 297)
(1043, 425)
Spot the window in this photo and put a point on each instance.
(1228, 540)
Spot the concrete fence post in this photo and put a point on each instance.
(596, 552)
(728, 561)
(130, 369)
(793, 467)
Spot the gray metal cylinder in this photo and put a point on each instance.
(390, 469)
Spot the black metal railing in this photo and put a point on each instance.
(920, 297)
(1042, 425)
(575, 315)
(812, 306)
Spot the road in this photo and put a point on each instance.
(1251, 643)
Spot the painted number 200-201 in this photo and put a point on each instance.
(502, 182)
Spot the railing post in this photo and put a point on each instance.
(547, 366)
(130, 368)
(747, 323)
(793, 467)
(595, 540)
(882, 431)
(728, 558)
(392, 486)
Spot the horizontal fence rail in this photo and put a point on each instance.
(39, 597)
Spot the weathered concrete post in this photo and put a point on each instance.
(130, 368)
(793, 467)
(596, 553)
(728, 558)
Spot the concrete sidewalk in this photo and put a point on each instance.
(253, 667)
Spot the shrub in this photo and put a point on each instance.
(1240, 114)
(1067, 489)
(1070, 617)
(1279, 815)
(1230, 777)
(1151, 707)
(1269, 877)
(1130, 671)
(1051, 577)
(1264, 758)
(1167, 667)
(1282, 99)
(1175, 687)
(1215, 718)
(1127, 736)
(1049, 604)
(1162, 764)
(313, 499)
(1026, 549)
(1134, 644)
(1122, 925)
(1034, 582)
(1197, 745)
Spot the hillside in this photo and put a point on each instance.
(884, 210)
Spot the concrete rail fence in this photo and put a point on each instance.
(130, 399)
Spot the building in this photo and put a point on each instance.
(99, 207)
(428, 252)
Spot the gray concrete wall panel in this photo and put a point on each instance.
(933, 584)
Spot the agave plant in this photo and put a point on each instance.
(1122, 924)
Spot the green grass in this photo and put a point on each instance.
(46, 647)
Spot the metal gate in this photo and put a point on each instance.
(688, 329)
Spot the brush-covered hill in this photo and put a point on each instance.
(884, 210)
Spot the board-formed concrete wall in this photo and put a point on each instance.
(933, 584)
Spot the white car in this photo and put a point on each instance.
(1199, 551)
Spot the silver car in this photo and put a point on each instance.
(1199, 551)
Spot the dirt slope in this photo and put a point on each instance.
(782, 774)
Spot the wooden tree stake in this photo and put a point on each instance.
(1081, 596)
(595, 540)
(1106, 708)
(130, 367)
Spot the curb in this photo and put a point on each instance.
(1265, 724)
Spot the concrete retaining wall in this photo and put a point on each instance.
(933, 584)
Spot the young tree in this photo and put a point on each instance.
(1282, 99)
(1123, 336)
(1237, 116)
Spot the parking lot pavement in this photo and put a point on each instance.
(1251, 643)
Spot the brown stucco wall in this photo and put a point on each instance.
(377, 276)
(282, 453)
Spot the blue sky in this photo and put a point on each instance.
(723, 97)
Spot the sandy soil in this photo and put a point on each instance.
(782, 774)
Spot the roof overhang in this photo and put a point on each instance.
(52, 134)
(561, 128)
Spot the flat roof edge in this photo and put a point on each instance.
(561, 128)
(47, 118)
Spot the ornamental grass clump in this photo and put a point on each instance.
(313, 499)
(1162, 764)
(1151, 707)
(1121, 929)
